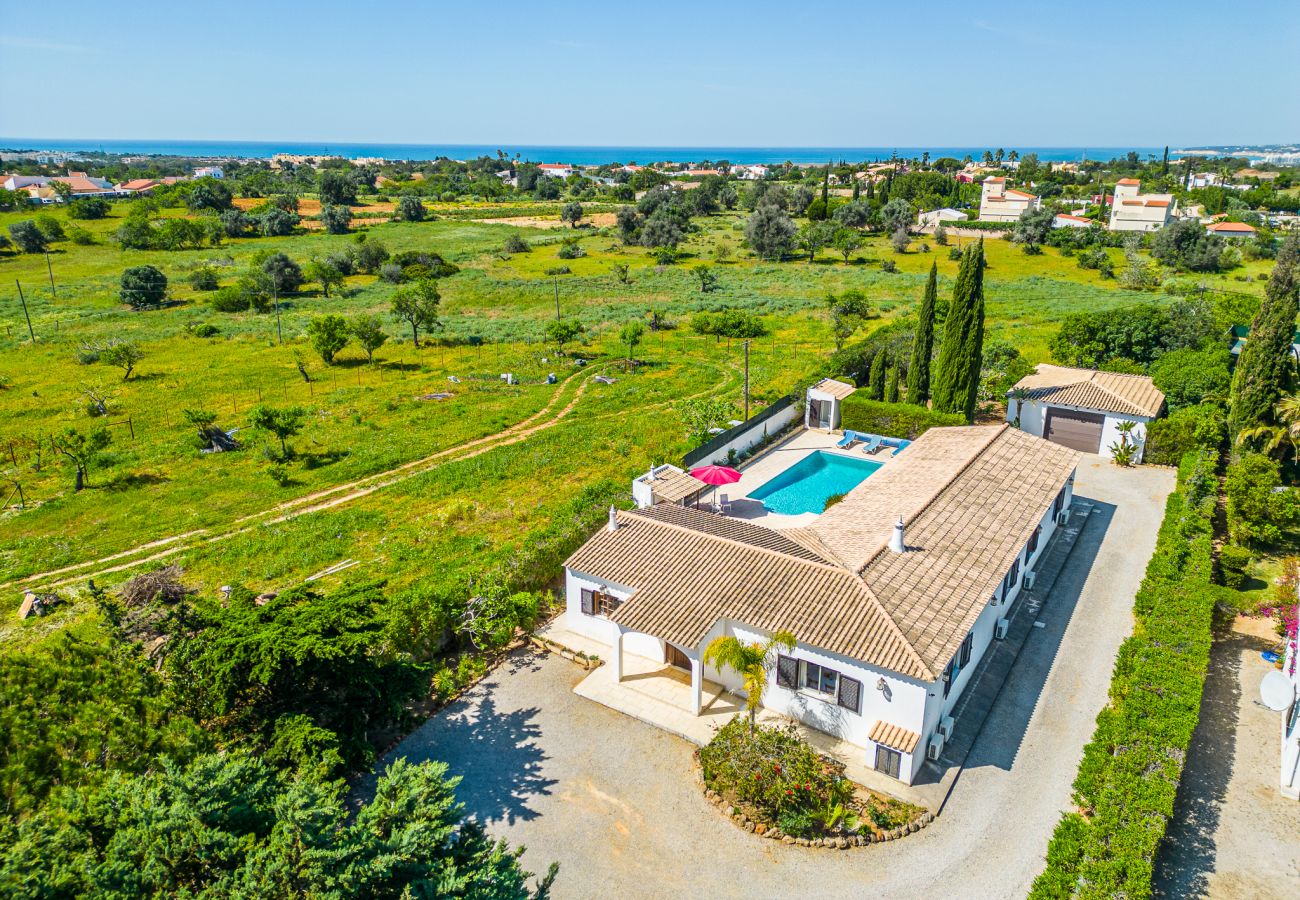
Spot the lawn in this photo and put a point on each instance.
(363, 419)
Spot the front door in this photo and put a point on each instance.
(675, 657)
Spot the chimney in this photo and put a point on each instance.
(896, 542)
(613, 518)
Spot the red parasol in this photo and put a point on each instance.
(716, 474)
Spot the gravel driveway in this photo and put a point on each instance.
(616, 801)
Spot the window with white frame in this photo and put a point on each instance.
(835, 687)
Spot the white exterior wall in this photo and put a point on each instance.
(598, 628)
(902, 703)
(822, 397)
(752, 436)
(1033, 417)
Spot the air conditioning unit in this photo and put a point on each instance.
(1000, 630)
(1063, 517)
(1030, 578)
(935, 749)
(946, 725)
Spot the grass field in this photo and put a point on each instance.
(458, 511)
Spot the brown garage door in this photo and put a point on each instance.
(1076, 430)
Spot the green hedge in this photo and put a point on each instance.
(1128, 779)
(982, 226)
(902, 420)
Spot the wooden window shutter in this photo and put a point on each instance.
(850, 694)
(787, 672)
(588, 602)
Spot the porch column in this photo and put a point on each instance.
(697, 686)
(618, 657)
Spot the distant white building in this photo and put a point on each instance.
(999, 203)
(1204, 180)
(1134, 211)
(209, 172)
(1065, 220)
(1231, 229)
(749, 173)
(555, 170)
(935, 217)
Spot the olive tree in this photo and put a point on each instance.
(142, 287)
(328, 335)
(417, 306)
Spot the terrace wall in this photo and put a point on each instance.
(767, 423)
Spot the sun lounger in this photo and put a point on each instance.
(872, 445)
(850, 438)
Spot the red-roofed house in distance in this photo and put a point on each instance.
(1231, 229)
(999, 203)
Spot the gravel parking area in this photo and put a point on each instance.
(616, 801)
(1233, 833)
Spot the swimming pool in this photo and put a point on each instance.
(808, 484)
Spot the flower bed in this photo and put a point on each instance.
(772, 783)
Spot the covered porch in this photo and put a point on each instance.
(682, 702)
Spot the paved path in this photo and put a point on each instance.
(1233, 833)
(616, 803)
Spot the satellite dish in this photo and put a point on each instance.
(1276, 691)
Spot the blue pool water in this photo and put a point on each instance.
(806, 486)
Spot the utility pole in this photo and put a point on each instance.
(556, 280)
(746, 381)
(275, 297)
(49, 268)
(23, 299)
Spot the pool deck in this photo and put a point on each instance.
(772, 462)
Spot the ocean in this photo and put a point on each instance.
(551, 154)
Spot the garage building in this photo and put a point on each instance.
(1083, 408)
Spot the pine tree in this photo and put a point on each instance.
(1264, 369)
(918, 373)
(876, 378)
(957, 373)
(891, 386)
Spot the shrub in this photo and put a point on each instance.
(204, 278)
(889, 266)
(205, 330)
(773, 772)
(571, 250)
(515, 244)
(1188, 376)
(80, 236)
(902, 420)
(88, 208)
(336, 219)
(143, 287)
(1233, 561)
(1183, 431)
(1259, 508)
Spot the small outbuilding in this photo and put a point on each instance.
(823, 407)
(1084, 409)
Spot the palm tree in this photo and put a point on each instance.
(1280, 439)
(750, 661)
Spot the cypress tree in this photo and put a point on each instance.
(857, 189)
(1264, 369)
(876, 377)
(957, 373)
(891, 386)
(826, 188)
(918, 372)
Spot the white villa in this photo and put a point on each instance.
(1133, 211)
(895, 593)
(999, 203)
(1083, 408)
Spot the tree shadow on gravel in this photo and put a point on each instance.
(497, 753)
(1187, 855)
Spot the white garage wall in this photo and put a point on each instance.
(1033, 418)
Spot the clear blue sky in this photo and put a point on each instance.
(1014, 73)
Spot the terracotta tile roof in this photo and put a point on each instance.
(837, 389)
(1072, 218)
(963, 542)
(1023, 194)
(970, 498)
(685, 580)
(1133, 395)
(1231, 228)
(137, 184)
(674, 486)
(894, 737)
(994, 180)
(1157, 203)
(1129, 181)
